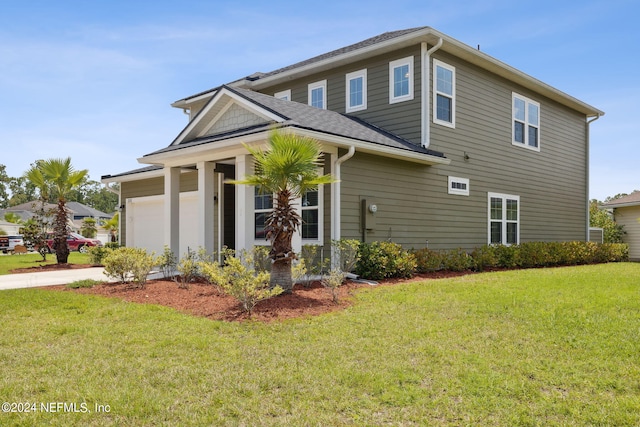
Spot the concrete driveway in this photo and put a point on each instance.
(47, 278)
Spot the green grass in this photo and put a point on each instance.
(532, 347)
(10, 262)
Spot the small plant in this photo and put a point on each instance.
(428, 260)
(311, 265)
(345, 252)
(84, 283)
(239, 279)
(167, 262)
(381, 260)
(188, 268)
(457, 260)
(332, 281)
(129, 264)
(98, 253)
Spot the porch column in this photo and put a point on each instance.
(206, 193)
(296, 240)
(244, 204)
(172, 209)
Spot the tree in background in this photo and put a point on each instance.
(89, 228)
(602, 219)
(112, 227)
(4, 187)
(57, 178)
(34, 230)
(12, 217)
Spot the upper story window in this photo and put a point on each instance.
(459, 186)
(356, 91)
(318, 94)
(444, 93)
(285, 94)
(504, 219)
(526, 122)
(401, 80)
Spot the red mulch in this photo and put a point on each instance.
(205, 300)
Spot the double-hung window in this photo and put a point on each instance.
(526, 122)
(504, 219)
(444, 93)
(263, 205)
(318, 94)
(401, 80)
(311, 215)
(356, 91)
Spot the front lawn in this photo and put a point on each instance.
(9, 262)
(530, 347)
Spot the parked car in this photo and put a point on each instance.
(4, 243)
(15, 240)
(75, 242)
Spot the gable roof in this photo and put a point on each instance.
(394, 40)
(632, 199)
(322, 124)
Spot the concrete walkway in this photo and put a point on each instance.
(47, 278)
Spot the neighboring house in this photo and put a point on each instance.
(626, 212)
(76, 212)
(434, 144)
(9, 228)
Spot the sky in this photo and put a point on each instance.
(94, 80)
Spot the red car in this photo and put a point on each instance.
(76, 242)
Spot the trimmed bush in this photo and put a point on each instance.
(427, 260)
(129, 264)
(457, 260)
(382, 260)
(98, 253)
(484, 257)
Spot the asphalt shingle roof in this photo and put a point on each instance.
(306, 117)
(631, 200)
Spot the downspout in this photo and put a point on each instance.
(119, 209)
(335, 194)
(587, 169)
(426, 73)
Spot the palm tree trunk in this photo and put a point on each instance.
(281, 275)
(60, 233)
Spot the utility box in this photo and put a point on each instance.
(369, 208)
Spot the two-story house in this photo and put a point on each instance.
(434, 143)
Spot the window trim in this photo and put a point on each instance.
(452, 123)
(320, 208)
(352, 76)
(322, 84)
(282, 94)
(393, 65)
(458, 191)
(528, 102)
(504, 221)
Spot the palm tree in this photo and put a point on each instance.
(287, 169)
(58, 177)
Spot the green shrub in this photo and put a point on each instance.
(97, 254)
(506, 256)
(427, 260)
(332, 281)
(167, 262)
(239, 279)
(380, 260)
(484, 257)
(112, 245)
(84, 283)
(345, 252)
(457, 260)
(129, 264)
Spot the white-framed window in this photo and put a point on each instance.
(263, 206)
(504, 219)
(444, 94)
(526, 122)
(311, 206)
(318, 94)
(356, 91)
(285, 94)
(401, 80)
(459, 186)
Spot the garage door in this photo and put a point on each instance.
(145, 222)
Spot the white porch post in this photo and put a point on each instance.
(206, 193)
(244, 204)
(172, 209)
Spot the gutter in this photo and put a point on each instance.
(426, 73)
(335, 194)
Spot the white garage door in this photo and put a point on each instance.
(145, 222)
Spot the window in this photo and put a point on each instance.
(504, 219)
(444, 93)
(401, 80)
(459, 186)
(285, 94)
(263, 205)
(526, 122)
(356, 91)
(318, 94)
(311, 215)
